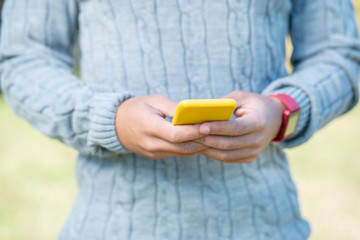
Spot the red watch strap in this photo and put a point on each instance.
(288, 101)
(291, 107)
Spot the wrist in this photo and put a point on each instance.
(278, 110)
(102, 129)
(279, 104)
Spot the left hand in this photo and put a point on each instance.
(242, 140)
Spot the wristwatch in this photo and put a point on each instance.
(289, 119)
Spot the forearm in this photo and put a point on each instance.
(323, 90)
(61, 106)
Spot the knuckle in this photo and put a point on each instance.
(148, 128)
(221, 145)
(226, 158)
(148, 146)
(219, 157)
(173, 137)
(215, 128)
(220, 128)
(227, 145)
(234, 144)
(254, 154)
(150, 155)
(187, 149)
(203, 140)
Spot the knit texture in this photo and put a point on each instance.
(181, 49)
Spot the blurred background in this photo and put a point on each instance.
(37, 182)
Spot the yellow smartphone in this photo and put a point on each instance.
(193, 111)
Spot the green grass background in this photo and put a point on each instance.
(37, 183)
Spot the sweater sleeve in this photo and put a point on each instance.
(39, 84)
(325, 58)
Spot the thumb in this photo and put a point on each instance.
(163, 104)
(240, 112)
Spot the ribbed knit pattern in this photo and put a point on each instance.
(181, 49)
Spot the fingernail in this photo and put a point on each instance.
(205, 130)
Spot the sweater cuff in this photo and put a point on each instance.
(304, 103)
(102, 131)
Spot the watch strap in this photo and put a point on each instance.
(291, 107)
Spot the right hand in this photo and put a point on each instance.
(142, 128)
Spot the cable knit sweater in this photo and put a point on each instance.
(181, 49)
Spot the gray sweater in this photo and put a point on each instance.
(181, 49)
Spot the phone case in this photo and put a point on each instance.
(193, 111)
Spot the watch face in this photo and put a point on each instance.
(292, 122)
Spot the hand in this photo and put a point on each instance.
(242, 140)
(142, 129)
